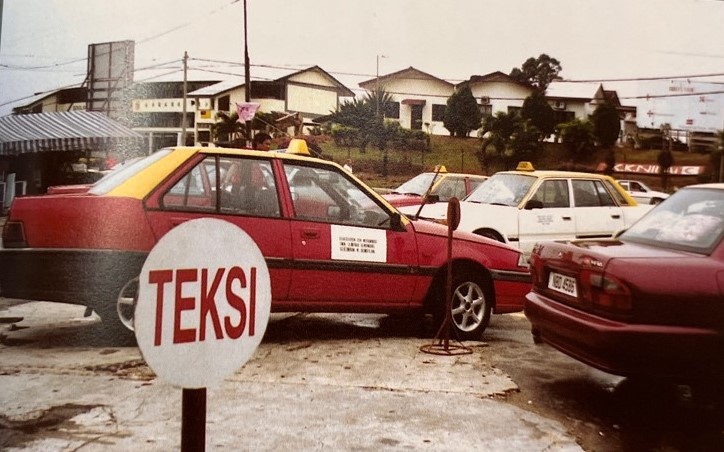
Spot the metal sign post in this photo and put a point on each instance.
(441, 344)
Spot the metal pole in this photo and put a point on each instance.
(193, 420)
(183, 118)
(377, 88)
(247, 75)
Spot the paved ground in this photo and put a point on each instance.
(315, 383)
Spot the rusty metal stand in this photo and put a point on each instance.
(441, 343)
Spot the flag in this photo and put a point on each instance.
(246, 111)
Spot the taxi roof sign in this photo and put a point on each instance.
(525, 166)
(298, 146)
(440, 169)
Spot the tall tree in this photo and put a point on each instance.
(539, 112)
(513, 138)
(462, 114)
(539, 72)
(578, 137)
(606, 124)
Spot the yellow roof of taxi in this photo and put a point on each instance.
(555, 173)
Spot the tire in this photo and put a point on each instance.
(116, 313)
(472, 304)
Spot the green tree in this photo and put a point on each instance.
(462, 114)
(539, 112)
(512, 138)
(538, 72)
(606, 124)
(579, 139)
(229, 130)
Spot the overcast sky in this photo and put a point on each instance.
(43, 43)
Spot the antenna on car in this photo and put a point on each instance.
(438, 169)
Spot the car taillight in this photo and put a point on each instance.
(14, 235)
(604, 291)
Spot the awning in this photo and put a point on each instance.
(60, 131)
(413, 102)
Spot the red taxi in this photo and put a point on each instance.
(647, 303)
(331, 243)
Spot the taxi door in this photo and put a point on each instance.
(552, 218)
(344, 250)
(598, 215)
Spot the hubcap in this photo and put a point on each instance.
(468, 306)
(126, 303)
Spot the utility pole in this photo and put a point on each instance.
(183, 117)
(247, 76)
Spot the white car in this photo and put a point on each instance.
(525, 206)
(642, 193)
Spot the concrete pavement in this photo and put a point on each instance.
(298, 392)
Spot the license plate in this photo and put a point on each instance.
(563, 284)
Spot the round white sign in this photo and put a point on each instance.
(203, 304)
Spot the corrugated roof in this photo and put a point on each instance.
(60, 131)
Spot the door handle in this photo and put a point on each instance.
(616, 217)
(310, 234)
(566, 218)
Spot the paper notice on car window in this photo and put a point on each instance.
(359, 244)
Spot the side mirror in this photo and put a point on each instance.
(396, 221)
(533, 204)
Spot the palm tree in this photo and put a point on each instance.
(228, 129)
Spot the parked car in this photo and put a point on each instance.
(445, 186)
(331, 243)
(641, 192)
(525, 206)
(647, 303)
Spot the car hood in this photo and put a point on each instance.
(401, 200)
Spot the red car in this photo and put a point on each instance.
(445, 186)
(648, 303)
(331, 243)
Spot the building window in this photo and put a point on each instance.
(392, 110)
(438, 112)
(224, 103)
(514, 111)
(486, 110)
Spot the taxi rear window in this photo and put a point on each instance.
(119, 176)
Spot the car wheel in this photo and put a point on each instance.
(470, 308)
(117, 313)
(489, 233)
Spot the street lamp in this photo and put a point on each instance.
(377, 86)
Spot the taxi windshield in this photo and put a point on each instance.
(418, 185)
(507, 189)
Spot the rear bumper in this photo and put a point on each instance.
(627, 349)
(85, 277)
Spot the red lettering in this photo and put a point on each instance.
(208, 304)
(160, 278)
(252, 303)
(183, 304)
(235, 301)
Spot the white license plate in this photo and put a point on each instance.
(562, 283)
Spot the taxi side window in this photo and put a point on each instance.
(591, 193)
(325, 195)
(553, 194)
(226, 185)
(194, 191)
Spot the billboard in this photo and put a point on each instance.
(683, 104)
(110, 74)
